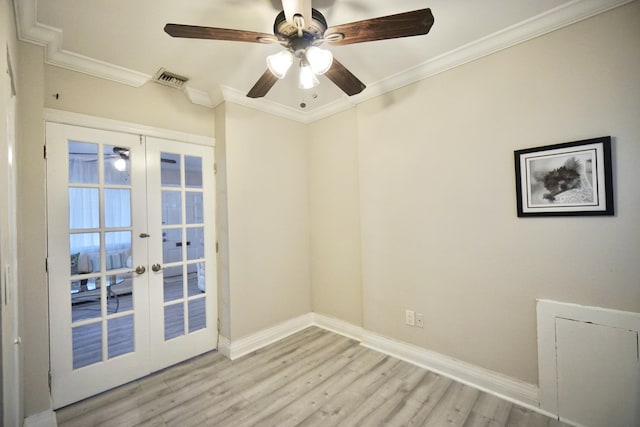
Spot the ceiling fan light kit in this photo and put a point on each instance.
(320, 60)
(279, 63)
(300, 30)
(308, 78)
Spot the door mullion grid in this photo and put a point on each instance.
(103, 255)
(185, 246)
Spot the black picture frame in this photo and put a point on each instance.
(568, 179)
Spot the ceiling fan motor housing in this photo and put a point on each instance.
(312, 32)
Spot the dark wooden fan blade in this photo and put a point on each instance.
(263, 85)
(195, 32)
(344, 79)
(415, 23)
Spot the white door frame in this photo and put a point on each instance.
(62, 117)
(11, 394)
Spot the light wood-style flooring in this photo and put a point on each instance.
(311, 378)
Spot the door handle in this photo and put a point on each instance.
(156, 268)
(140, 269)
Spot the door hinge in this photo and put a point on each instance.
(49, 380)
(216, 247)
(44, 151)
(46, 265)
(215, 168)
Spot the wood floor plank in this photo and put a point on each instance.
(454, 407)
(264, 390)
(230, 397)
(284, 391)
(519, 417)
(309, 402)
(489, 411)
(420, 402)
(377, 406)
(345, 402)
(311, 378)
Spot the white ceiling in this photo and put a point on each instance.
(124, 40)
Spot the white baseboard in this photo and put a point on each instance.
(41, 419)
(338, 326)
(505, 387)
(246, 345)
(508, 388)
(224, 346)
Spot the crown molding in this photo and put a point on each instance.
(29, 30)
(32, 31)
(200, 97)
(237, 97)
(554, 19)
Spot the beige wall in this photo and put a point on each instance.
(152, 104)
(334, 216)
(222, 216)
(32, 230)
(440, 232)
(268, 219)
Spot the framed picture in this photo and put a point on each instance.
(569, 179)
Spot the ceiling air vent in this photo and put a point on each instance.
(168, 78)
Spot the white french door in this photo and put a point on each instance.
(131, 257)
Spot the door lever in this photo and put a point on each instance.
(144, 235)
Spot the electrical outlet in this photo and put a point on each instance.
(409, 318)
(420, 320)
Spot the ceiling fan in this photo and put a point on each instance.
(300, 30)
(119, 155)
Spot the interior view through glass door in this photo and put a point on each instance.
(131, 257)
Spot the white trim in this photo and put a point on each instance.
(224, 346)
(338, 326)
(41, 419)
(554, 19)
(237, 97)
(508, 388)
(253, 342)
(30, 30)
(261, 104)
(547, 312)
(76, 119)
(505, 387)
(200, 97)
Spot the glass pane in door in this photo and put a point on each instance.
(170, 170)
(117, 207)
(117, 167)
(120, 335)
(183, 234)
(100, 248)
(87, 344)
(173, 283)
(84, 207)
(193, 171)
(83, 162)
(194, 213)
(197, 319)
(173, 321)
